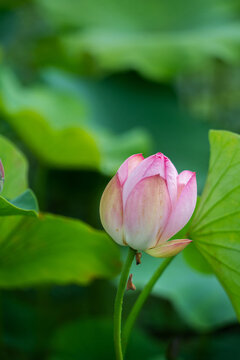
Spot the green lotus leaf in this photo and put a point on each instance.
(215, 227)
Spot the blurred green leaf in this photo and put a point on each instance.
(24, 204)
(127, 101)
(15, 167)
(49, 248)
(158, 56)
(92, 339)
(5, 4)
(216, 224)
(54, 249)
(159, 39)
(137, 15)
(199, 298)
(54, 125)
(49, 122)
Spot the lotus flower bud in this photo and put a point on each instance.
(147, 202)
(1, 176)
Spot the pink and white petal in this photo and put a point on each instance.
(146, 211)
(148, 167)
(127, 167)
(168, 249)
(183, 210)
(171, 175)
(111, 210)
(157, 164)
(2, 176)
(183, 179)
(185, 176)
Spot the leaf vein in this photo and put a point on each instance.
(222, 262)
(219, 245)
(221, 231)
(213, 188)
(196, 230)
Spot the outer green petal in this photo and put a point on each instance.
(168, 249)
(111, 210)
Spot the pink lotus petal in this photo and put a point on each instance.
(183, 179)
(171, 175)
(111, 210)
(127, 167)
(148, 167)
(168, 249)
(2, 175)
(183, 210)
(157, 164)
(146, 211)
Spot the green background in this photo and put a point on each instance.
(83, 85)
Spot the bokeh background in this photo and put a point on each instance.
(83, 85)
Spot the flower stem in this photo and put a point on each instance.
(141, 300)
(118, 304)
